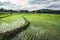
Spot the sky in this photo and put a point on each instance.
(30, 4)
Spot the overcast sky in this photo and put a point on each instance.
(30, 4)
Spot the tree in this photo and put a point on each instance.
(1, 10)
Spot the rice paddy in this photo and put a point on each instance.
(42, 26)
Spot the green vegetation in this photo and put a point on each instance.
(42, 26)
(11, 22)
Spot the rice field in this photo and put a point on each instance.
(11, 22)
(42, 26)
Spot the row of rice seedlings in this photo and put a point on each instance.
(37, 34)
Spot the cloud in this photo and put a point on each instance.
(15, 4)
(7, 5)
(54, 5)
(29, 4)
(40, 1)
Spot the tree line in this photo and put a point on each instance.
(35, 11)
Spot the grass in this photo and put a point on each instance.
(10, 23)
(42, 26)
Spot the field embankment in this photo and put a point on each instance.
(9, 29)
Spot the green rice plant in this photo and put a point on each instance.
(42, 27)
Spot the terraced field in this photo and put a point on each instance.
(42, 27)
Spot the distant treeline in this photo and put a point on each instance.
(47, 11)
(35, 11)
